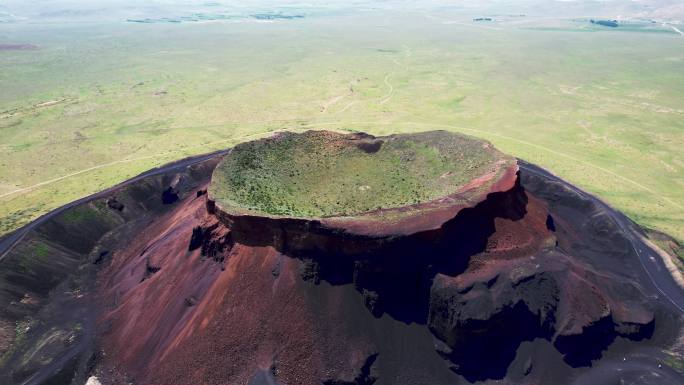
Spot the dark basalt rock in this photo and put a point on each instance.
(483, 324)
(394, 274)
(114, 204)
(197, 238)
(371, 146)
(481, 349)
(214, 239)
(582, 348)
(169, 196)
(150, 269)
(550, 225)
(191, 301)
(100, 257)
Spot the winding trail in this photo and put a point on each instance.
(390, 93)
(643, 370)
(338, 98)
(382, 99)
(396, 62)
(332, 102)
(348, 106)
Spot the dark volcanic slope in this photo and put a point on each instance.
(535, 284)
(48, 270)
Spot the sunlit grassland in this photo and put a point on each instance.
(602, 109)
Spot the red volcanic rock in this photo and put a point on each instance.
(201, 295)
(140, 297)
(253, 316)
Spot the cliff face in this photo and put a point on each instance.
(238, 306)
(306, 189)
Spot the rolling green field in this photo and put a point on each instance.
(95, 104)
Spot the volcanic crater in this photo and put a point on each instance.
(330, 258)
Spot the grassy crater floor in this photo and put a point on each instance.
(325, 174)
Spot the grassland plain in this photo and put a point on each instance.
(97, 104)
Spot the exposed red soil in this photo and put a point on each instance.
(152, 281)
(213, 326)
(197, 296)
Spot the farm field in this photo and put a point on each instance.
(84, 106)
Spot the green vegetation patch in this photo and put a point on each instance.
(323, 174)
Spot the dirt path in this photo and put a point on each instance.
(348, 106)
(640, 369)
(50, 181)
(381, 100)
(390, 93)
(332, 102)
